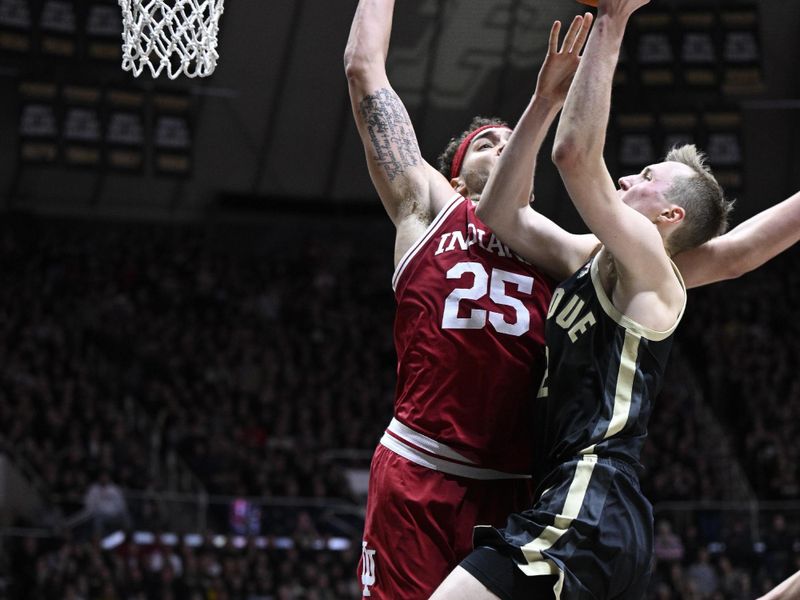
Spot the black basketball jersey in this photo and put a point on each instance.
(603, 374)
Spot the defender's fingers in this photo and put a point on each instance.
(572, 33)
(583, 34)
(554, 31)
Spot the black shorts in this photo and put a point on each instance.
(502, 577)
(589, 535)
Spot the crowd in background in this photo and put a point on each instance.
(745, 338)
(247, 359)
(83, 570)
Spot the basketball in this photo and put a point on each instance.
(588, 2)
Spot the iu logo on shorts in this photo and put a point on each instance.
(367, 568)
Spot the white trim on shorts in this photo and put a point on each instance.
(405, 442)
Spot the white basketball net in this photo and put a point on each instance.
(179, 36)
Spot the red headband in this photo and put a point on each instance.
(455, 168)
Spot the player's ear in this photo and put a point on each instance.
(672, 214)
(458, 185)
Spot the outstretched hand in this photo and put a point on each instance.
(560, 64)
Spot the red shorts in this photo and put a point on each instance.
(419, 524)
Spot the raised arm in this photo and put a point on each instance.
(411, 190)
(505, 202)
(745, 247)
(636, 245)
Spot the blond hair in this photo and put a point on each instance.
(701, 197)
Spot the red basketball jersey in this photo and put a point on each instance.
(469, 335)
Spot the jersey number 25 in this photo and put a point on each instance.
(495, 286)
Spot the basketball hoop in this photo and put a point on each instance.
(179, 36)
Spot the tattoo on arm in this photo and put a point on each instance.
(390, 132)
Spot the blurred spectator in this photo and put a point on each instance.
(668, 547)
(305, 533)
(734, 583)
(245, 517)
(778, 546)
(106, 505)
(701, 575)
(739, 544)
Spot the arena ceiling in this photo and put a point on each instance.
(272, 127)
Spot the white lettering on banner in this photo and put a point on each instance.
(464, 62)
(367, 568)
